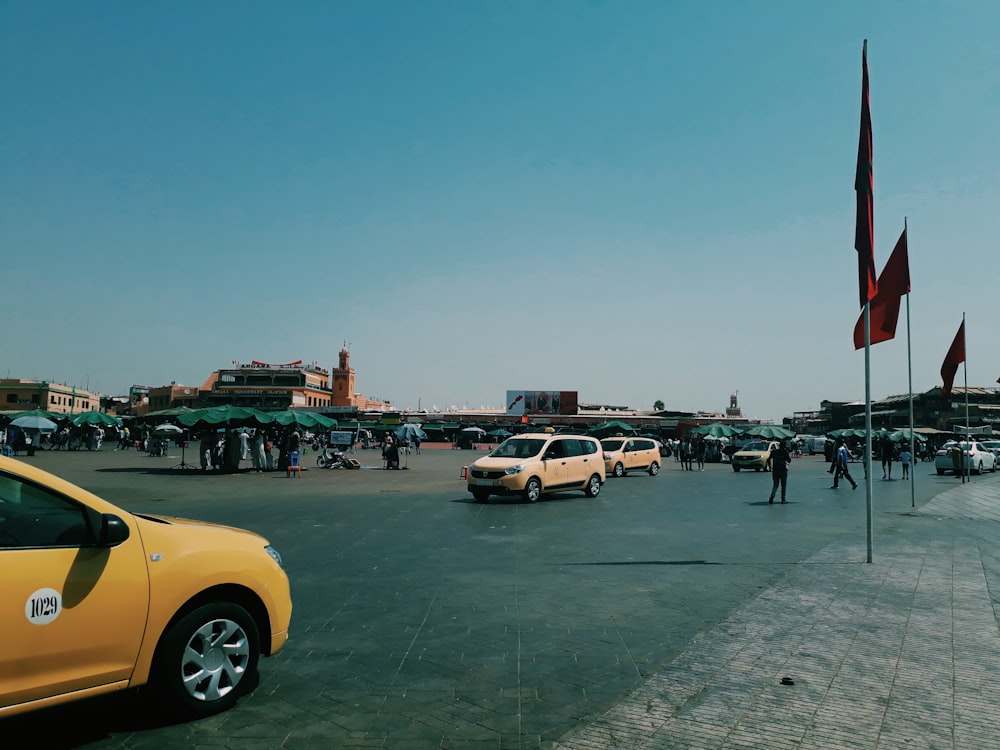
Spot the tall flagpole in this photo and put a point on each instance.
(864, 186)
(909, 373)
(965, 374)
(868, 426)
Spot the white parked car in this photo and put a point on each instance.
(993, 446)
(977, 458)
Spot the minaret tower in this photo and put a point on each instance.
(343, 380)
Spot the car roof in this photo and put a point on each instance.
(547, 435)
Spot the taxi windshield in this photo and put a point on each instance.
(754, 447)
(612, 445)
(519, 448)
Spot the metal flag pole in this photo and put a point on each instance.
(868, 428)
(966, 471)
(909, 373)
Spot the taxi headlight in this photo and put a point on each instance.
(274, 554)
(514, 469)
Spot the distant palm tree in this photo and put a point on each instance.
(657, 405)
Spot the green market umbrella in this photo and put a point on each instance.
(224, 416)
(716, 429)
(769, 432)
(850, 432)
(97, 418)
(302, 419)
(611, 428)
(905, 435)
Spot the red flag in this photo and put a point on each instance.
(956, 354)
(893, 283)
(864, 183)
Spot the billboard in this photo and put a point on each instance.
(520, 403)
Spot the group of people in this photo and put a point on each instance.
(223, 452)
(690, 453)
(781, 459)
(888, 451)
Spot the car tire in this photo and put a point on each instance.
(481, 496)
(619, 470)
(218, 641)
(654, 469)
(736, 468)
(593, 486)
(532, 490)
(940, 472)
(980, 470)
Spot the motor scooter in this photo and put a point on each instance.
(331, 458)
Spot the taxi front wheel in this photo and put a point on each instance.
(207, 659)
(532, 490)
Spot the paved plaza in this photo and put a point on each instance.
(663, 614)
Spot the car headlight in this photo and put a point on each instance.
(514, 469)
(274, 554)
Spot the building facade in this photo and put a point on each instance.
(172, 396)
(24, 395)
(269, 387)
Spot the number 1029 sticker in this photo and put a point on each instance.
(43, 606)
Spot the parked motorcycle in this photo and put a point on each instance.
(331, 458)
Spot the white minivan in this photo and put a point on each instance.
(812, 444)
(534, 464)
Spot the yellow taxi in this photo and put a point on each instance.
(625, 454)
(94, 599)
(754, 455)
(534, 464)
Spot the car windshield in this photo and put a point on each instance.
(754, 447)
(612, 445)
(951, 444)
(518, 448)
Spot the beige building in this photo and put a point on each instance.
(270, 387)
(172, 396)
(23, 395)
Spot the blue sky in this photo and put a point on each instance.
(634, 200)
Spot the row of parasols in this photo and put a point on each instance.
(766, 431)
(46, 422)
(776, 432)
(220, 416)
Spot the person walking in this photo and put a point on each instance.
(257, 449)
(231, 453)
(955, 451)
(841, 470)
(780, 460)
(699, 453)
(886, 450)
(205, 451)
(904, 460)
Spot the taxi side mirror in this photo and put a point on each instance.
(108, 530)
(113, 531)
